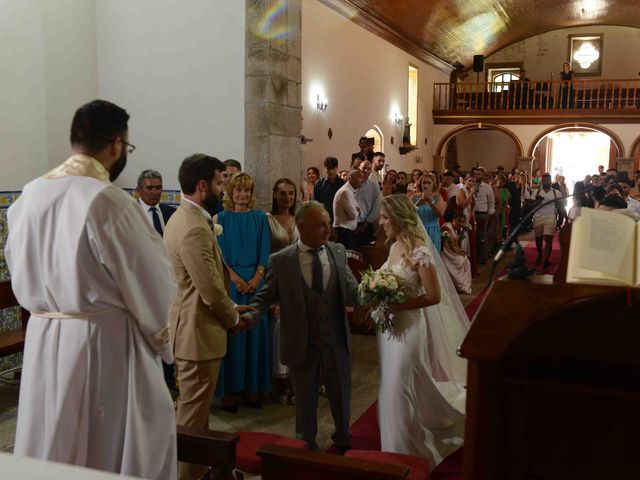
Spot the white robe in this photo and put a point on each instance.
(92, 390)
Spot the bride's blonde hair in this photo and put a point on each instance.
(403, 216)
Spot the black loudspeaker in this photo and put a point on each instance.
(478, 63)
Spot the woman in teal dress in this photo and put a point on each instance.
(431, 206)
(245, 243)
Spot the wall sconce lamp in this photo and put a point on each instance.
(321, 104)
(399, 119)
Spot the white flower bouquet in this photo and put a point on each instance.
(381, 287)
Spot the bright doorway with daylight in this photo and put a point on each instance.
(575, 154)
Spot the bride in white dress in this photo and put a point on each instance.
(421, 394)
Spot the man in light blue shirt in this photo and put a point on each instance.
(369, 197)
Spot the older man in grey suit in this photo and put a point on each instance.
(313, 283)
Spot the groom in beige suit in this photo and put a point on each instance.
(203, 312)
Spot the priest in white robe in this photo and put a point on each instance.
(97, 281)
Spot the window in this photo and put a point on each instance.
(585, 54)
(412, 101)
(501, 81)
(500, 74)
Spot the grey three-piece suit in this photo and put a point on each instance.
(314, 334)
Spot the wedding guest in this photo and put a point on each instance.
(284, 232)
(431, 207)
(346, 211)
(343, 174)
(566, 91)
(377, 167)
(454, 256)
(484, 210)
(368, 196)
(356, 160)
(466, 201)
(389, 183)
(245, 244)
(412, 187)
(401, 183)
(502, 208)
(307, 187)
(327, 186)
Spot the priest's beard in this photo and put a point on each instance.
(211, 202)
(118, 167)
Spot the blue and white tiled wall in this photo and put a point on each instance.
(10, 317)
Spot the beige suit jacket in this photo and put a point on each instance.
(203, 311)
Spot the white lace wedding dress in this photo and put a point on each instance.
(422, 394)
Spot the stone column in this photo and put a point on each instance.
(525, 163)
(273, 109)
(438, 163)
(625, 164)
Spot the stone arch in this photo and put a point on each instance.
(588, 126)
(481, 126)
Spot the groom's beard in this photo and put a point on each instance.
(118, 167)
(211, 202)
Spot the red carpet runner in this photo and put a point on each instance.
(365, 432)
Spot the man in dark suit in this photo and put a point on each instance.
(150, 191)
(314, 284)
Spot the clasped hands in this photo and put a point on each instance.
(245, 287)
(243, 321)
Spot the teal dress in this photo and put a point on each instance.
(431, 223)
(245, 243)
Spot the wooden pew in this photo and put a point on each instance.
(216, 450)
(13, 341)
(284, 463)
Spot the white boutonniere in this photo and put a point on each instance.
(217, 229)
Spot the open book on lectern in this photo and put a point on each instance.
(604, 249)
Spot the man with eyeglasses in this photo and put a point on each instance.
(96, 278)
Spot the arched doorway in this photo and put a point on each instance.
(480, 144)
(575, 150)
(378, 138)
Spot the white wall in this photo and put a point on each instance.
(178, 69)
(48, 58)
(485, 148)
(365, 80)
(544, 54)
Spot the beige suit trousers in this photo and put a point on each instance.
(197, 383)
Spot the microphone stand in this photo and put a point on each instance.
(513, 236)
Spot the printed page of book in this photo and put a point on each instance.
(602, 249)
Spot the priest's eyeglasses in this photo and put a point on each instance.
(130, 147)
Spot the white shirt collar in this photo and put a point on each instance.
(204, 212)
(302, 247)
(147, 207)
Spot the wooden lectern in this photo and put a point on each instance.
(553, 383)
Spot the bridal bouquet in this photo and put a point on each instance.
(382, 288)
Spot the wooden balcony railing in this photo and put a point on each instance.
(592, 95)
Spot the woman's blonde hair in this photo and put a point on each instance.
(242, 180)
(404, 218)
